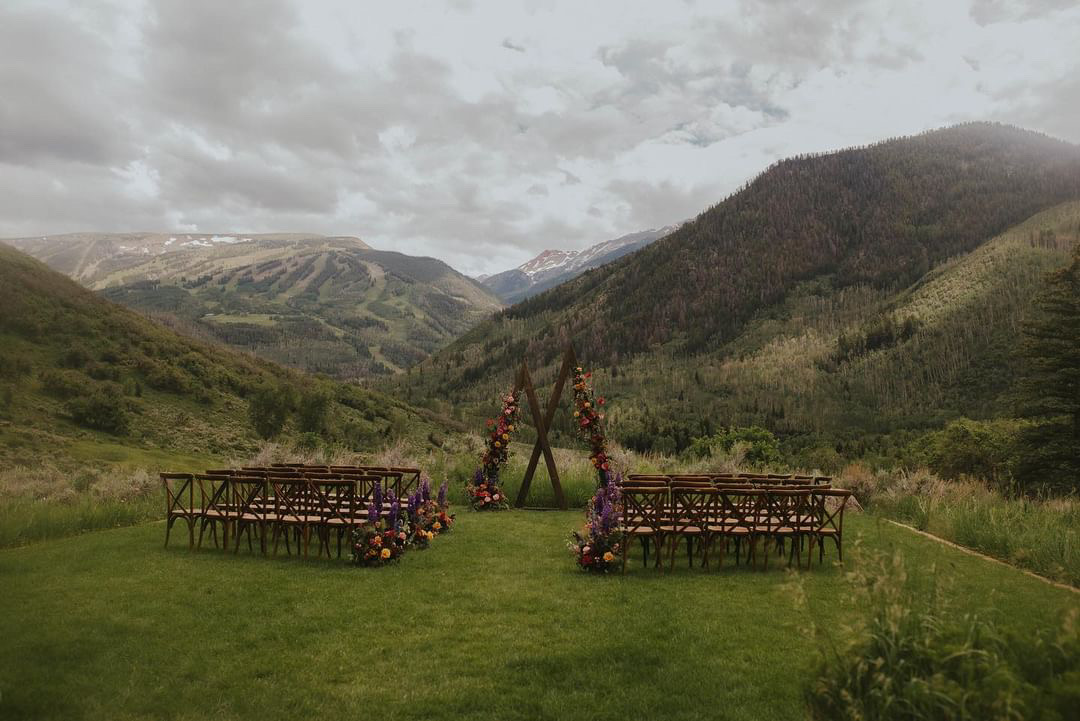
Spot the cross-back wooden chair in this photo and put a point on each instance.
(410, 479)
(645, 514)
(735, 519)
(692, 506)
(179, 503)
(292, 512)
(249, 508)
(214, 506)
(337, 512)
(828, 522)
(784, 521)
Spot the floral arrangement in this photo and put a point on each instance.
(483, 491)
(597, 547)
(379, 541)
(589, 421)
(427, 517)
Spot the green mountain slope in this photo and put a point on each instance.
(83, 378)
(806, 303)
(328, 305)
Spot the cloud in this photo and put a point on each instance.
(422, 133)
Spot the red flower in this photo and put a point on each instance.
(586, 560)
(600, 400)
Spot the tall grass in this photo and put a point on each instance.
(1042, 535)
(49, 502)
(915, 658)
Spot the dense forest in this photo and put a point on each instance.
(849, 302)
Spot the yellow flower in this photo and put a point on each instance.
(577, 413)
(498, 445)
(437, 525)
(587, 404)
(510, 427)
(385, 553)
(609, 556)
(506, 436)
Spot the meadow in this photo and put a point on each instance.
(492, 622)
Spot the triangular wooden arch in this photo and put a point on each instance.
(543, 423)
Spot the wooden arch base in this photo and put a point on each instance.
(542, 422)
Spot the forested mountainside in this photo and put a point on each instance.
(555, 267)
(82, 378)
(327, 305)
(835, 298)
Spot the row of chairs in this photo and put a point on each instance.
(281, 502)
(772, 479)
(712, 515)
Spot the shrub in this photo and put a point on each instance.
(314, 410)
(269, 408)
(987, 450)
(103, 409)
(64, 383)
(757, 445)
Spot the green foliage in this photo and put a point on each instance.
(988, 450)
(916, 660)
(103, 409)
(758, 446)
(269, 408)
(63, 383)
(1052, 382)
(313, 410)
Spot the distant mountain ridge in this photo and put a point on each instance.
(327, 304)
(834, 297)
(553, 267)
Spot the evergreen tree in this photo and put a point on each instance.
(1052, 382)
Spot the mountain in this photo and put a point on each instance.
(554, 267)
(323, 304)
(841, 300)
(82, 378)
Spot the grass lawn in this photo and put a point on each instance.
(491, 622)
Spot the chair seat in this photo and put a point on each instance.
(730, 530)
(681, 529)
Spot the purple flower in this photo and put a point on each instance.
(413, 505)
(376, 495)
(395, 509)
(373, 514)
(479, 477)
(442, 494)
(425, 489)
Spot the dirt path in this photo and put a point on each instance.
(969, 551)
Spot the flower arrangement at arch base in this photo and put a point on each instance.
(483, 491)
(597, 547)
(386, 534)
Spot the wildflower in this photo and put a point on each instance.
(437, 525)
(401, 535)
(376, 541)
(385, 554)
(609, 556)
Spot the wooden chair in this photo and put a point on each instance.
(214, 506)
(692, 506)
(179, 503)
(784, 520)
(248, 508)
(828, 522)
(337, 513)
(734, 519)
(292, 512)
(645, 514)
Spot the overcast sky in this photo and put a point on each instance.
(482, 132)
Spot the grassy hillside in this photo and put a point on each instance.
(85, 380)
(844, 356)
(326, 305)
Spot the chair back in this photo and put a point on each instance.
(179, 494)
(645, 509)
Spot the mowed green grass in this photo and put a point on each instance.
(492, 622)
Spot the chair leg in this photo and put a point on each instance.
(168, 529)
(673, 545)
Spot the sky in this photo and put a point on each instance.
(482, 132)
